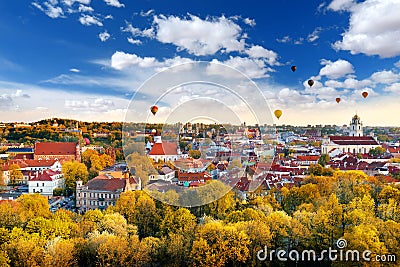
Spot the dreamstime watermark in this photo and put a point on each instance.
(331, 254)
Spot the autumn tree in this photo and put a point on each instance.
(74, 171)
(16, 175)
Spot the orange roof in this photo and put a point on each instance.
(164, 148)
(55, 148)
(308, 158)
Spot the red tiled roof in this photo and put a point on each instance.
(164, 148)
(308, 158)
(44, 176)
(353, 140)
(106, 183)
(40, 163)
(55, 148)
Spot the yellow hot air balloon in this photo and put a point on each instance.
(278, 113)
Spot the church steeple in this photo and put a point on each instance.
(356, 127)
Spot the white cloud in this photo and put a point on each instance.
(256, 51)
(149, 33)
(104, 36)
(134, 41)
(373, 27)
(349, 83)
(114, 3)
(147, 13)
(90, 20)
(314, 35)
(121, 60)
(71, 2)
(397, 64)
(97, 104)
(199, 37)
(341, 5)
(394, 88)
(83, 8)
(299, 41)
(250, 22)
(253, 68)
(108, 17)
(385, 77)
(74, 70)
(336, 69)
(284, 39)
(50, 9)
(7, 99)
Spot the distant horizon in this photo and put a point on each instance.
(276, 125)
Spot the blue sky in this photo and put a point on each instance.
(84, 59)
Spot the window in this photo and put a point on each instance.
(37, 185)
(42, 184)
(41, 190)
(84, 194)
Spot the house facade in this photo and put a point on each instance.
(103, 191)
(45, 181)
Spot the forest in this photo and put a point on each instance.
(142, 231)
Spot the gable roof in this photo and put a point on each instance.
(164, 148)
(353, 140)
(106, 183)
(46, 175)
(55, 148)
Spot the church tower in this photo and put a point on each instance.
(356, 128)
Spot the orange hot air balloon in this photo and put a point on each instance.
(365, 94)
(278, 113)
(310, 82)
(154, 110)
(293, 68)
(337, 99)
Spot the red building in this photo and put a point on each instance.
(62, 151)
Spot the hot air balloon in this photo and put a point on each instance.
(310, 82)
(87, 141)
(278, 113)
(293, 68)
(365, 94)
(337, 99)
(154, 110)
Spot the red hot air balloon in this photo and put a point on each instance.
(337, 100)
(293, 68)
(154, 110)
(365, 94)
(310, 82)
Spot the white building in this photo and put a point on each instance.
(164, 151)
(165, 174)
(45, 181)
(356, 127)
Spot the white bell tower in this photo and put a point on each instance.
(356, 128)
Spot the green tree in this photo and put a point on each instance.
(324, 159)
(376, 152)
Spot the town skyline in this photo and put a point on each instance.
(85, 60)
